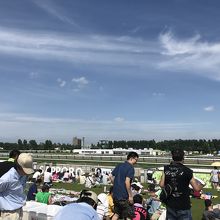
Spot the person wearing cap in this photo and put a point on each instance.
(122, 176)
(136, 188)
(12, 183)
(83, 209)
(8, 164)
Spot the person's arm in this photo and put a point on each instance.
(111, 177)
(49, 200)
(128, 188)
(4, 185)
(196, 186)
(162, 180)
(36, 198)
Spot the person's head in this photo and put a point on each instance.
(14, 154)
(24, 164)
(132, 157)
(45, 188)
(135, 187)
(177, 155)
(215, 168)
(138, 199)
(208, 204)
(88, 197)
(151, 188)
(49, 169)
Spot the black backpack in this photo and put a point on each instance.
(166, 193)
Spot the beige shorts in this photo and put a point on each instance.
(11, 215)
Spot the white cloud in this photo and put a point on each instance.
(210, 108)
(159, 94)
(80, 82)
(61, 82)
(192, 55)
(119, 119)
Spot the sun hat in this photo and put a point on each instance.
(25, 160)
(90, 194)
(139, 185)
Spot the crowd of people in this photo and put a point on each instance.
(169, 200)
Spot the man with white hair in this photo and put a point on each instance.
(12, 183)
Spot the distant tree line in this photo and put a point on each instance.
(33, 145)
(201, 146)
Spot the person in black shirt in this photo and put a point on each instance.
(5, 166)
(179, 177)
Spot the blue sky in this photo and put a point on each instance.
(119, 69)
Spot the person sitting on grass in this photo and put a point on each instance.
(140, 211)
(89, 182)
(48, 177)
(44, 196)
(153, 202)
(84, 208)
(136, 188)
(210, 213)
(110, 203)
(32, 190)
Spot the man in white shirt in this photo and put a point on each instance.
(12, 183)
(83, 209)
(48, 177)
(37, 176)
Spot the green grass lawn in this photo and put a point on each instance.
(197, 204)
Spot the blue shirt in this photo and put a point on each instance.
(79, 211)
(12, 190)
(32, 192)
(120, 173)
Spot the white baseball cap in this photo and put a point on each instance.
(25, 160)
(90, 194)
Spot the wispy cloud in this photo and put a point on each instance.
(210, 108)
(58, 129)
(103, 50)
(192, 55)
(54, 11)
(61, 82)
